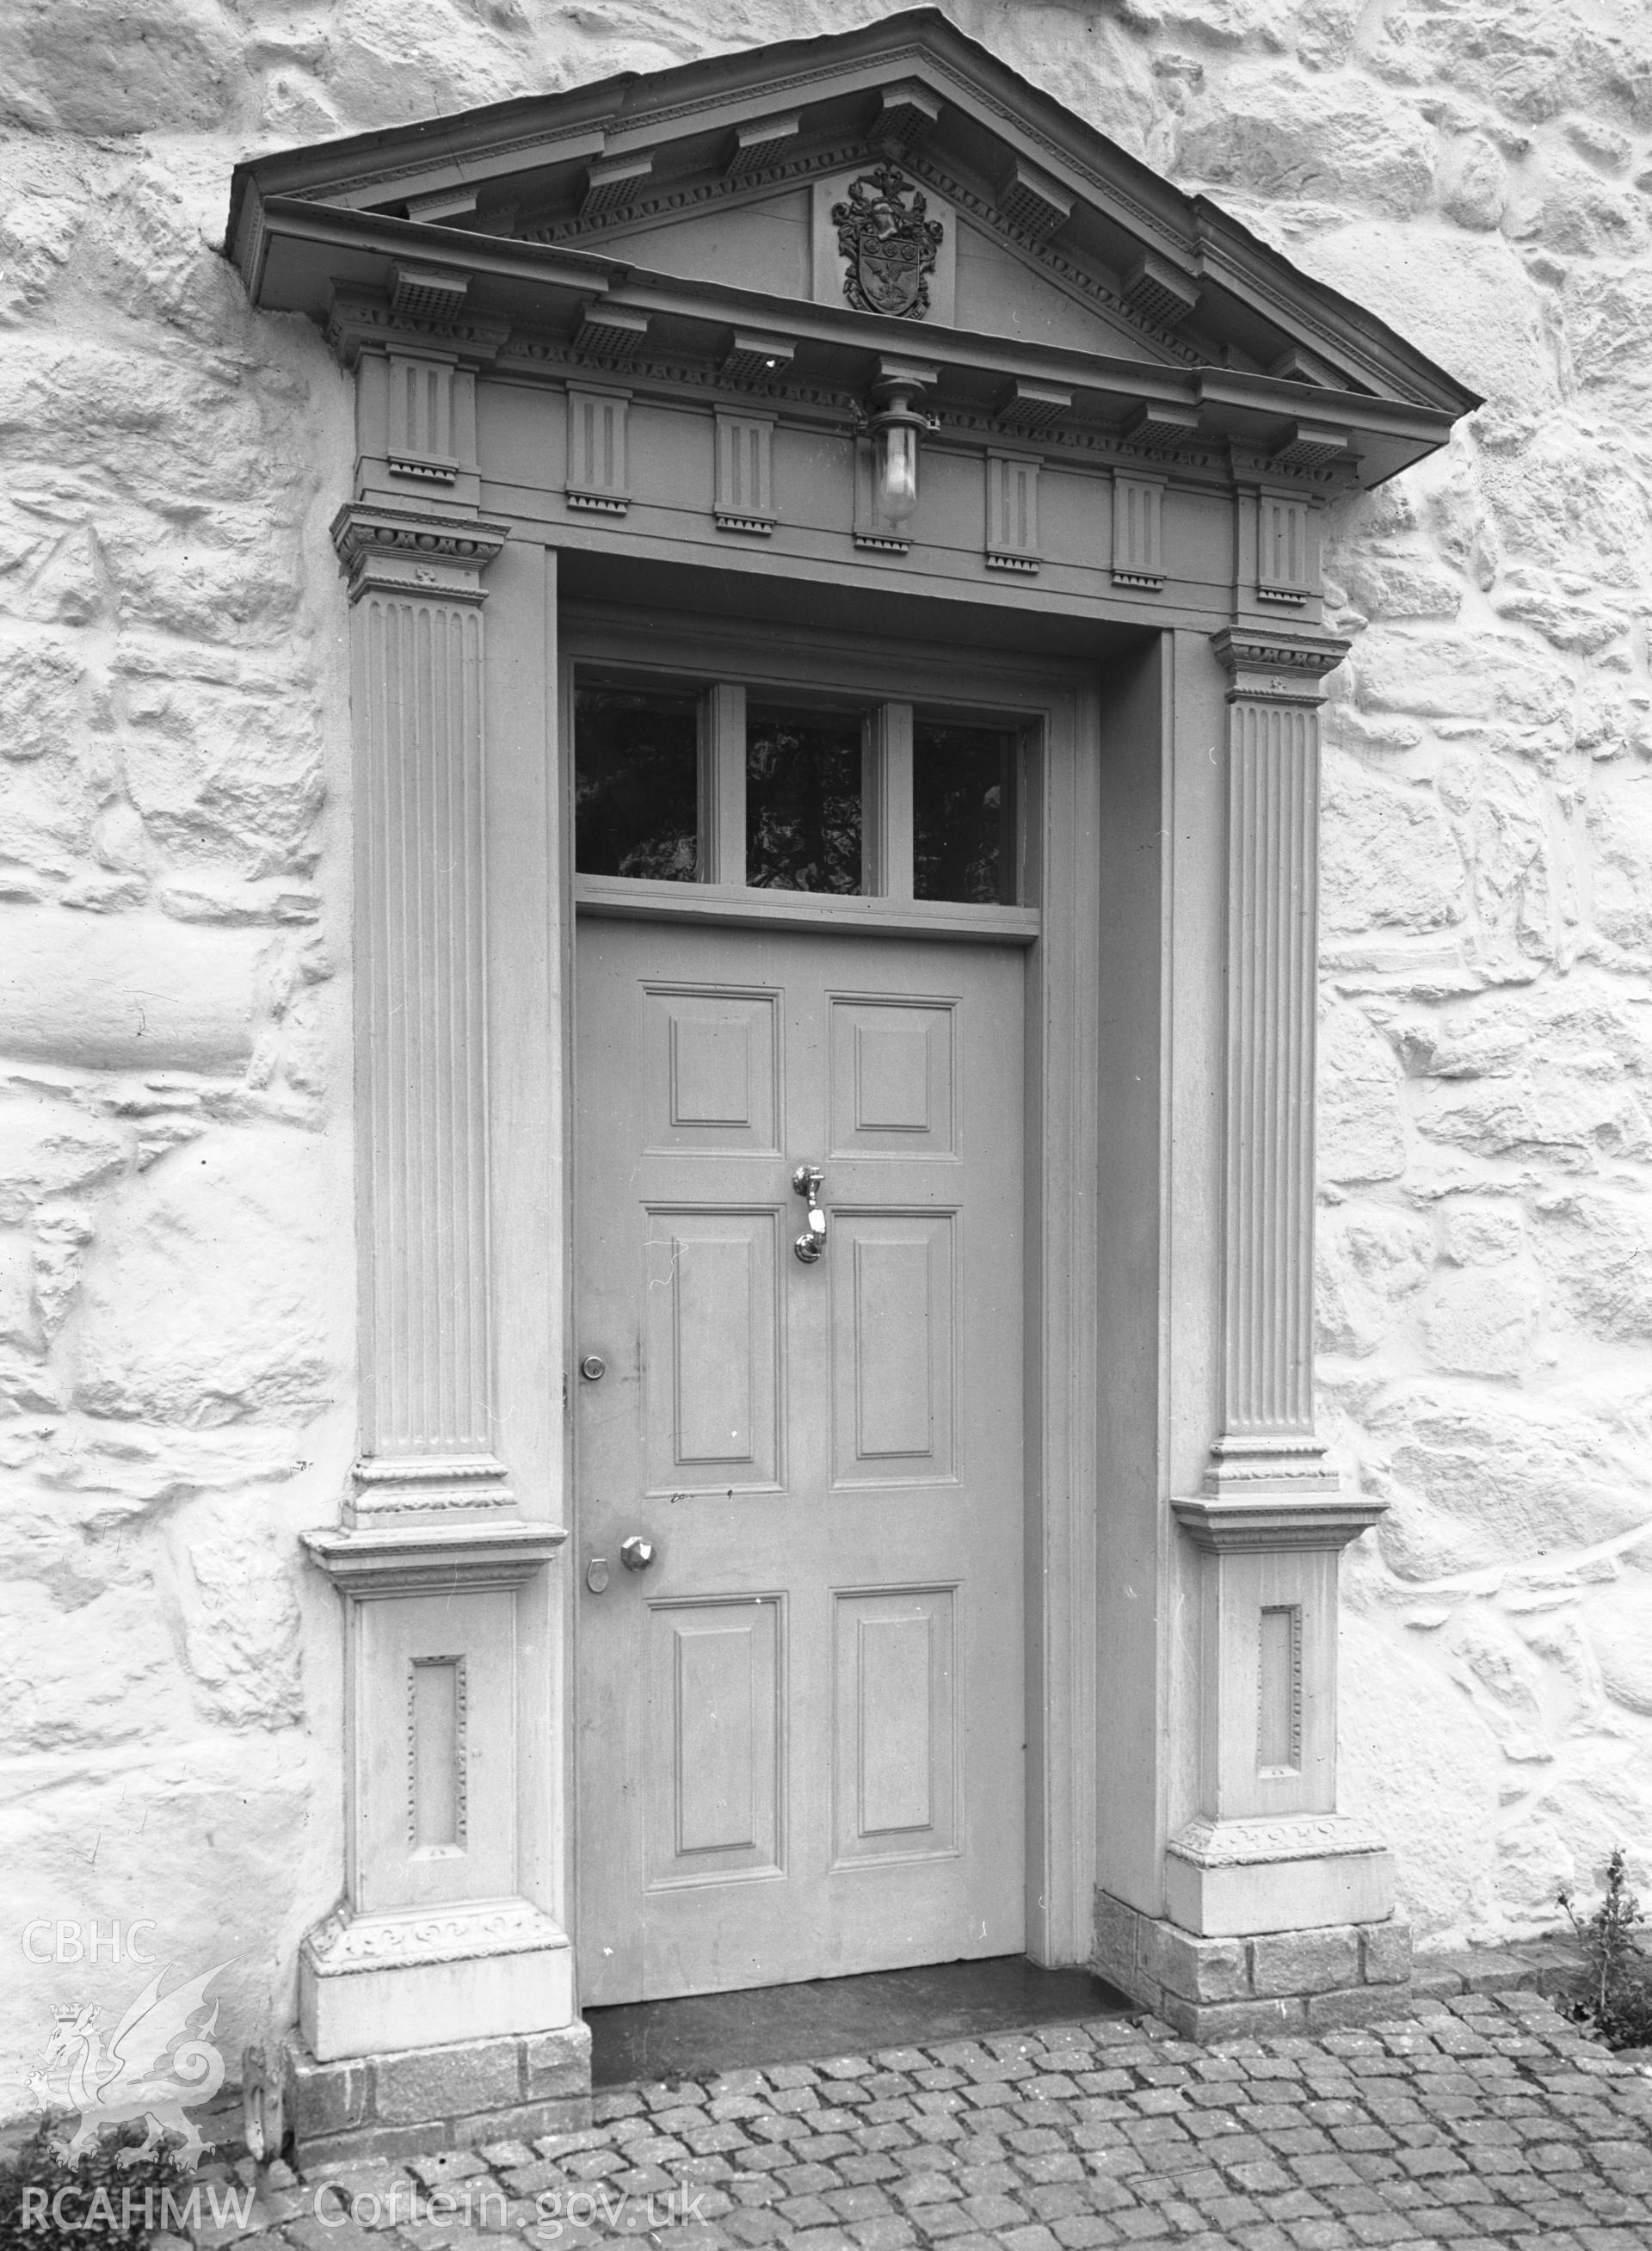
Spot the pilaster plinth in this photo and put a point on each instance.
(370, 1985)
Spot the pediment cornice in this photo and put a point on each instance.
(549, 294)
(534, 200)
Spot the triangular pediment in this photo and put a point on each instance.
(991, 213)
(783, 241)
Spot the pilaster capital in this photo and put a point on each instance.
(418, 1559)
(1227, 1523)
(1276, 668)
(415, 552)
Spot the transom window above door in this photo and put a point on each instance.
(746, 787)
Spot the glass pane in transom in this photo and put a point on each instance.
(636, 781)
(803, 800)
(963, 813)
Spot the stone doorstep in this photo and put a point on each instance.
(420, 2100)
(1301, 1981)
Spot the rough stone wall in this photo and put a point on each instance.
(175, 1386)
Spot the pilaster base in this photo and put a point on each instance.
(1281, 1981)
(1231, 1878)
(374, 1984)
(399, 2104)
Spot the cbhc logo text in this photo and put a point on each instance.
(45, 1941)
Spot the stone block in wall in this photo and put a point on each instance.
(1385, 1952)
(1197, 1969)
(556, 2063)
(1436, 1980)
(1305, 1961)
(324, 2098)
(447, 2082)
(1553, 1965)
(1115, 1957)
(130, 992)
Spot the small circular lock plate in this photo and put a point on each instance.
(593, 1368)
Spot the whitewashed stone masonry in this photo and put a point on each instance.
(175, 1287)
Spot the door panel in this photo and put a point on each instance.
(892, 1346)
(709, 1070)
(891, 1078)
(801, 1728)
(711, 1375)
(713, 1755)
(896, 1752)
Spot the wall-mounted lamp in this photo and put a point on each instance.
(894, 423)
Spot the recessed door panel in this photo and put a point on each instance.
(892, 1345)
(892, 1066)
(896, 1749)
(709, 1064)
(713, 1738)
(711, 1374)
(813, 1690)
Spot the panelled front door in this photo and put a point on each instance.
(801, 1720)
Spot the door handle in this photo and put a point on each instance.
(806, 1182)
(636, 1553)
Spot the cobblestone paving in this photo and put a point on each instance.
(1481, 2121)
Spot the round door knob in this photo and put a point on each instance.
(636, 1554)
(593, 1368)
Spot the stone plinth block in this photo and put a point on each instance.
(1305, 1961)
(1270, 1981)
(1199, 1969)
(446, 2083)
(420, 2101)
(1385, 1953)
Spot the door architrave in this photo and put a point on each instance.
(1057, 704)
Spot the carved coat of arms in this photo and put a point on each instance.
(889, 243)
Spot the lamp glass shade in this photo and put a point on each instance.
(897, 471)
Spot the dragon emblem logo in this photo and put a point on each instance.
(155, 2066)
(890, 245)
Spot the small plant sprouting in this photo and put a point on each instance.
(1617, 1999)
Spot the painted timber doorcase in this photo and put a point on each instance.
(801, 1728)
(629, 348)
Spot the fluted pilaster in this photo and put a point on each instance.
(1266, 1435)
(416, 630)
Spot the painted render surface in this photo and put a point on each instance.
(175, 1100)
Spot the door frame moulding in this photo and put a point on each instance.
(1053, 701)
